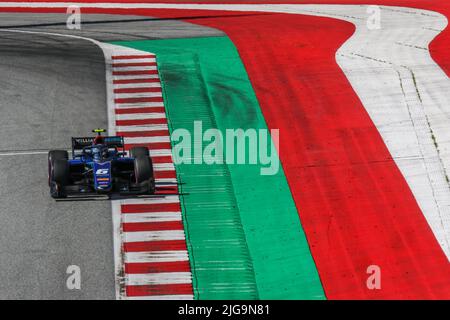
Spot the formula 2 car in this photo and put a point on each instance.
(99, 166)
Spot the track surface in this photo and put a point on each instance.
(108, 27)
(365, 139)
(60, 80)
(52, 88)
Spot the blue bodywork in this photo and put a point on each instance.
(96, 161)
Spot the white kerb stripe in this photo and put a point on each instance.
(134, 60)
(142, 236)
(158, 278)
(166, 180)
(139, 105)
(164, 185)
(163, 166)
(134, 68)
(147, 139)
(151, 217)
(137, 85)
(154, 127)
(141, 116)
(136, 77)
(158, 153)
(156, 256)
(138, 95)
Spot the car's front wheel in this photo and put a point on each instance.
(59, 178)
(143, 171)
(54, 155)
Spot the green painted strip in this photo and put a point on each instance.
(231, 212)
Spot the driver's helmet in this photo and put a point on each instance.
(96, 152)
(98, 140)
(99, 152)
(105, 153)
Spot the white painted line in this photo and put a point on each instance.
(22, 153)
(141, 116)
(142, 236)
(151, 217)
(147, 139)
(132, 279)
(156, 256)
(137, 95)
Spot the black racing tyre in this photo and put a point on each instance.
(54, 155)
(59, 177)
(57, 154)
(143, 169)
(60, 172)
(57, 191)
(138, 152)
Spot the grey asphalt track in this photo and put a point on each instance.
(52, 88)
(108, 27)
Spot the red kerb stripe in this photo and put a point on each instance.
(155, 267)
(165, 174)
(168, 245)
(139, 99)
(151, 146)
(134, 64)
(134, 73)
(151, 207)
(158, 289)
(137, 90)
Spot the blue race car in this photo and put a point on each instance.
(99, 166)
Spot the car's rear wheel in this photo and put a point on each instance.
(138, 152)
(59, 177)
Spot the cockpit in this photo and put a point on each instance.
(98, 152)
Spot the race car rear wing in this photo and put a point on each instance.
(78, 143)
